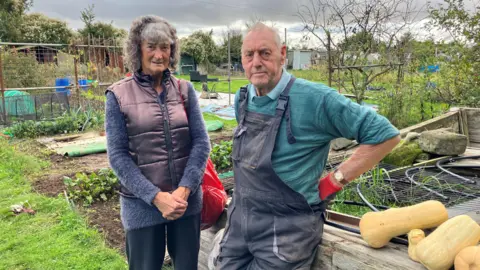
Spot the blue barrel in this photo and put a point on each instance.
(83, 84)
(62, 82)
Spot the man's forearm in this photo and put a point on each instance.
(365, 158)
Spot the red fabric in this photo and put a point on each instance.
(214, 195)
(326, 187)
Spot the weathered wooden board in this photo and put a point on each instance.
(340, 250)
(470, 208)
(473, 120)
(448, 120)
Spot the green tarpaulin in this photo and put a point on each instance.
(224, 175)
(101, 147)
(83, 150)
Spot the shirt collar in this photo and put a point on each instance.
(278, 89)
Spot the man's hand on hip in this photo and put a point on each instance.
(328, 186)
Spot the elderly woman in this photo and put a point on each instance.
(158, 147)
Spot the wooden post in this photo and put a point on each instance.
(229, 73)
(2, 87)
(286, 46)
(329, 52)
(75, 63)
(97, 66)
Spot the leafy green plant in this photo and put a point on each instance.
(221, 155)
(99, 186)
(70, 122)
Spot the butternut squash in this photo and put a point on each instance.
(414, 237)
(468, 259)
(378, 228)
(438, 250)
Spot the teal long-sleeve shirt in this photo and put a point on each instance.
(319, 114)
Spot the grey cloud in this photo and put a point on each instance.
(186, 15)
(197, 13)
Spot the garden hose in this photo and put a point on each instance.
(438, 165)
(441, 162)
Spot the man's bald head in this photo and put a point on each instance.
(263, 56)
(261, 27)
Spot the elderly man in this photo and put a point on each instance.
(280, 147)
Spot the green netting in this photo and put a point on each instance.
(213, 125)
(18, 103)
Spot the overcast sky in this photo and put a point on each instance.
(190, 15)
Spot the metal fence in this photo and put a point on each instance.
(39, 106)
(43, 81)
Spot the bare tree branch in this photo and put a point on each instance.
(368, 33)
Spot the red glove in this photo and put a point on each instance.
(326, 187)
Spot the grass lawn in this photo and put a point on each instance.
(237, 82)
(222, 86)
(56, 237)
(227, 124)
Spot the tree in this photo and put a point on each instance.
(457, 20)
(11, 12)
(99, 30)
(38, 28)
(103, 31)
(202, 48)
(88, 17)
(459, 82)
(367, 30)
(236, 40)
(258, 19)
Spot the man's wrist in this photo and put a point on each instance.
(338, 178)
(334, 181)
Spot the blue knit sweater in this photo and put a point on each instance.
(140, 212)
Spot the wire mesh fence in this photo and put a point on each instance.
(43, 81)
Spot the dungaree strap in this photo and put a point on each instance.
(243, 100)
(283, 107)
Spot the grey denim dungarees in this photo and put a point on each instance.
(270, 226)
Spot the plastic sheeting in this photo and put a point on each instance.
(225, 112)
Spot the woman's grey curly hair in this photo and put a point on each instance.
(153, 29)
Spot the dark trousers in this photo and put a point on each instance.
(145, 247)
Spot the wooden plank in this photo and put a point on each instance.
(342, 219)
(464, 124)
(470, 208)
(341, 250)
(475, 145)
(474, 136)
(473, 120)
(447, 120)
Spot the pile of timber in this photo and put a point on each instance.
(339, 249)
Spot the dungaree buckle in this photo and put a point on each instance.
(282, 102)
